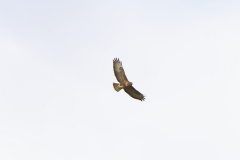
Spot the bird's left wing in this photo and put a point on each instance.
(134, 93)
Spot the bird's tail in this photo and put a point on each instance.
(117, 87)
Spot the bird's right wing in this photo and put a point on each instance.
(119, 71)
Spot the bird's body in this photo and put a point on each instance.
(123, 81)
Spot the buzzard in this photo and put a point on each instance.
(123, 81)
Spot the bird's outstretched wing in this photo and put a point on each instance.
(119, 71)
(134, 93)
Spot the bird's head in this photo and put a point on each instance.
(128, 83)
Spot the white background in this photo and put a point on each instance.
(56, 75)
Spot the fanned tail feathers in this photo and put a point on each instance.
(117, 87)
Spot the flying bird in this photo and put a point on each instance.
(123, 81)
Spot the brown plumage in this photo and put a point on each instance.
(123, 81)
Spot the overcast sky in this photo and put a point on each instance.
(56, 95)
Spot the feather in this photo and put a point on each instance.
(131, 91)
(119, 71)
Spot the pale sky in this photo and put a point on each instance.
(56, 95)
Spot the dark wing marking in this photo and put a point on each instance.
(134, 93)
